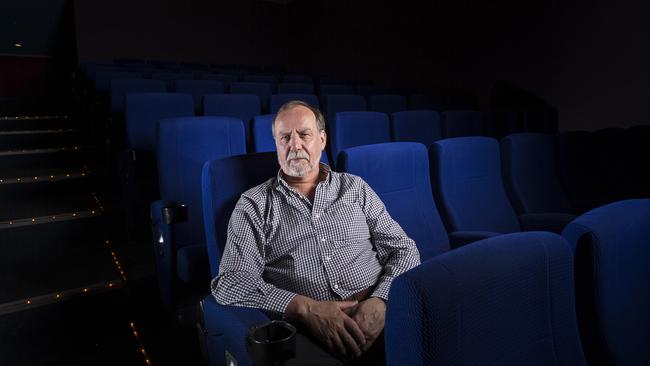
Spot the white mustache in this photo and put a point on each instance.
(301, 154)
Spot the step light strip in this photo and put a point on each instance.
(38, 132)
(54, 297)
(45, 178)
(66, 216)
(42, 151)
(31, 118)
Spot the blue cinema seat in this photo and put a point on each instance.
(139, 177)
(351, 129)
(335, 103)
(184, 145)
(277, 100)
(121, 87)
(531, 181)
(387, 103)
(224, 180)
(399, 173)
(242, 106)
(421, 126)
(459, 123)
(199, 88)
(468, 187)
(503, 301)
(170, 78)
(263, 140)
(612, 271)
(262, 90)
(295, 88)
(103, 79)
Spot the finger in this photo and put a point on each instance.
(354, 330)
(350, 343)
(338, 344)
(346, 304)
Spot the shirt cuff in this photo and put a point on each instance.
(382, 289)
(278, 300)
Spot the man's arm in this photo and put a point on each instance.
(240, 279)
(396, 251)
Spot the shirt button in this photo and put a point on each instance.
(327, 258)
(336, 286)
(323, 240)
(317, 216)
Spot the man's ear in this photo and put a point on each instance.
(323, 137)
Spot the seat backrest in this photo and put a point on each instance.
(467, 185)
(459, 123)
(170, 78)
(357, 128)
(426, 101)
(184, 145)
(144, 110)
(295, 88)
(199, 88)
(335, 103)
(387, 103)
(506, 300)
(223, 182)
(326, 89)
(612, 257)
(242, 106)
(121, 87)
(277, 100)
(421, 126)
(262, 90)
(399, 173)
(103, 78)
(530, 174)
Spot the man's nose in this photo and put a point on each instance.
(295, 142)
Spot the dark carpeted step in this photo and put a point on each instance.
(54, 257)
(50, 199)
(94, 329)
(34, 139)
(46, 158)
(27, 183)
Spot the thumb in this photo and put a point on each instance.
(346, 304)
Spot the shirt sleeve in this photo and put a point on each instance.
(396, 252)
(240, 281)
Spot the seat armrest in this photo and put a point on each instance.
(460, 238)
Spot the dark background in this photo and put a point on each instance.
(589, 59)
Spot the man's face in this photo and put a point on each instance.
(298, 142)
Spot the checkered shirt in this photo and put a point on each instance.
(280, 244)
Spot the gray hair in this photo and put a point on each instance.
(320, 120)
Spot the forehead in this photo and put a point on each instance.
(298, 117)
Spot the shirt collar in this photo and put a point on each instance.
(322, 168)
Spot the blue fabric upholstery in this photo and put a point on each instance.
(224, 180)
(530, 176)
(612, 269)
(263, 135)
(462, 123)
(199, 88)
(399, 173)
(425, 101)
(226, 328)
(262, 90)
(121, 87)
(335, 103)
(242, 106)
(144, 110)
(277, 100)
(184, 145)
(170, 78)
(507, 300)
(466, 179)
(387, 103)
(357, 128)
(326, 89)
(421, 126)
(460, 238)
(295, 88)
(103, 78)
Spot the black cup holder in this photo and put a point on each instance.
(271, 343)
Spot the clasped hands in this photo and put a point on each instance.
(345, 327)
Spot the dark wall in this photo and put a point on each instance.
(587, 58)
(231, 32)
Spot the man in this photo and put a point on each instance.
(315, 246)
